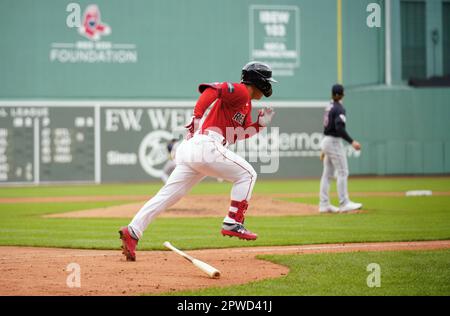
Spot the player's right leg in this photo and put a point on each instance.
(180, 182)
(168, 168)
(182, 179)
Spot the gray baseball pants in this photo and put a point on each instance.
(334, 164)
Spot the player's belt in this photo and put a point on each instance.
(214, 135)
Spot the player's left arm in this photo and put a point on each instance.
(342, 131)
(340, 123)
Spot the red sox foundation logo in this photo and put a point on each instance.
(94, 49)
(92, 26)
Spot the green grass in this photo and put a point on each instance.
(387, 219)
(401, 273)
(212, 187)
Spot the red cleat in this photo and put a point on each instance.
(238, 230)
(128, 244)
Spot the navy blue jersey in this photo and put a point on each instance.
(334, 121)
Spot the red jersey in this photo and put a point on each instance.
(231, 111)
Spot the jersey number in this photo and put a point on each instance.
(239, 118)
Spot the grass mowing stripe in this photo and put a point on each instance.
(394, 219)
(212, 187)
(401, 273)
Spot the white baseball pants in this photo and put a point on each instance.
(201, 156)
(335, 163)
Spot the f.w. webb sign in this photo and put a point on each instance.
(127, 141)
(134, 141)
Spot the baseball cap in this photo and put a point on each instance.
(337, 89)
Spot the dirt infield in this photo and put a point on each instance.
(42, 271)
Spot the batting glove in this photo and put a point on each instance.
(265, 116)
(192, 126)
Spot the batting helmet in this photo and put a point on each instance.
(259, 75)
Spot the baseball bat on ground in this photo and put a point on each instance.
(209, 270)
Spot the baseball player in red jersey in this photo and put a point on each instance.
(204, 153)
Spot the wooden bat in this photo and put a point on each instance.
(209, 270)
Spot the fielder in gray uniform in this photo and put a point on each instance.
(334, 157)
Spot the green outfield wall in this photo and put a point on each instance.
(110, 141)
(96, 107)
(164, 48)
(402, 130)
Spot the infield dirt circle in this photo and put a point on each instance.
(43, 271)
